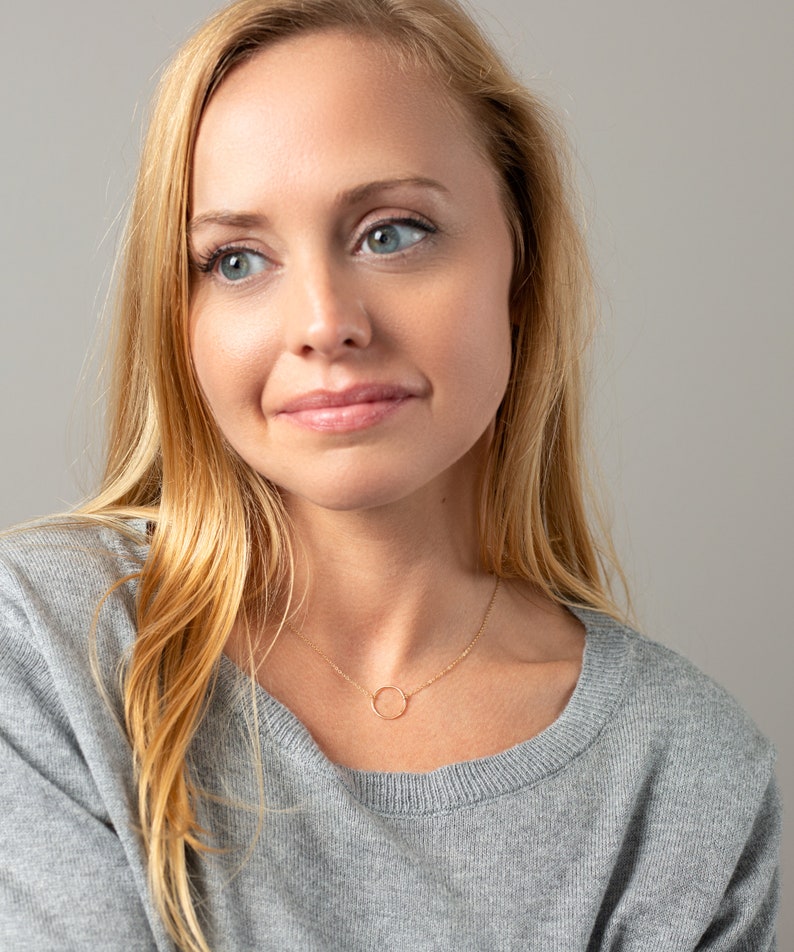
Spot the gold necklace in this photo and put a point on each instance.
(403, 696)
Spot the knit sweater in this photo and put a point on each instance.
(644, 819)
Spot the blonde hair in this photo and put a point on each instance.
(219, 541)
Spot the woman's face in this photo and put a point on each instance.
(352, 265)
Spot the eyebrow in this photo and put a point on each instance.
(226, 218)
(360, 193)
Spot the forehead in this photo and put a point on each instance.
(299, 61)
(329, 99)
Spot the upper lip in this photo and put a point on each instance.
(361, 393)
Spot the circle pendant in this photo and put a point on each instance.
(374, 702)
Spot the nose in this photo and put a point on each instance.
(324, 313)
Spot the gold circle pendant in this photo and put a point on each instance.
(374, 702)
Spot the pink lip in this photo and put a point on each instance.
(345, 410)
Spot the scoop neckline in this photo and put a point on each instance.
(467, 783)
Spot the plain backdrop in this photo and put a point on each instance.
(681, 118)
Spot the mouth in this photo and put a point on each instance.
(344, 411)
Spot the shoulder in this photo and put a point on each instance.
(685, 728)
(65, 581)
(71, 543)
(690, 705)
(66, 558)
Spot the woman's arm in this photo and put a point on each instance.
(745, 920)
(67, 879)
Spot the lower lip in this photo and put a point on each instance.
(347, 418)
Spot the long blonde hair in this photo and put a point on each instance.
(219, 540)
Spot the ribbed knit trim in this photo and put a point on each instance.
(455, 786)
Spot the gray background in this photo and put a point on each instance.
(681, 116)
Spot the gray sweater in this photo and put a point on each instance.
(645, 819)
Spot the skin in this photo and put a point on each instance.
(350, 331)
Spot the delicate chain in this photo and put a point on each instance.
(324, 656)
(373, 695)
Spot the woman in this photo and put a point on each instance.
(330, 662)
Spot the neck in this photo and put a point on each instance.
(388, 589)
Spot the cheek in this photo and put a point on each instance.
(474, 340)
(232, 359)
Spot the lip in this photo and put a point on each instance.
(343, 411)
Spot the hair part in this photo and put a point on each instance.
(220, 542)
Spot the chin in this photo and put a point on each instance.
(359, 481)
(350, 498)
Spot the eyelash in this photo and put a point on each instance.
(206, 263)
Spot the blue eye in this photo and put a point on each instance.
(395, 236)
(236, 265)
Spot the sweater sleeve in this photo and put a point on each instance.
(745, 919)
(66, 882)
